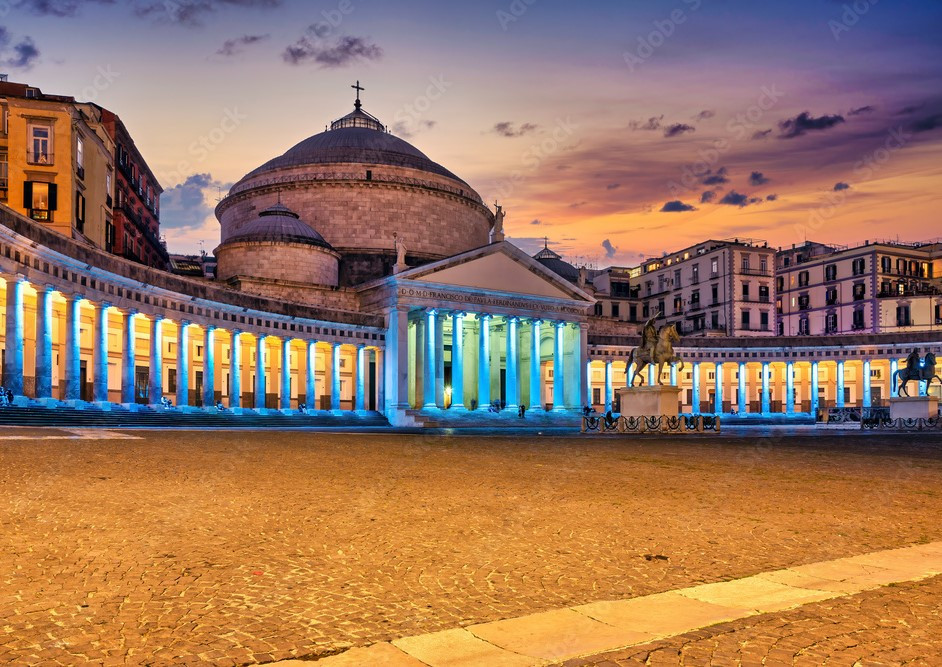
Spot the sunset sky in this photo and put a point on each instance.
(618, 130)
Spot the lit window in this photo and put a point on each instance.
(40, 144)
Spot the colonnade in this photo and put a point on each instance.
(459, 360)
(66, 347)
(764, 387)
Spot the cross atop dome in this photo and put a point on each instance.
(358, 117)
(358, 88)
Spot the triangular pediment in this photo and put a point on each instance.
(497, 268)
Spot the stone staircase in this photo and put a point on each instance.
(93, 416)
(501, 420)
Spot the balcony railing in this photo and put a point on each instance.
(40, 158)
(80, 172)
(746, 271)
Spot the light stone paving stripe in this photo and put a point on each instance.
(599, 627)
(74, 434)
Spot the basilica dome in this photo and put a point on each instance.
(361, 187)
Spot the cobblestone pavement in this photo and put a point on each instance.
(250, 547)
(897, 625)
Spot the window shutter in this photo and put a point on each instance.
(53, 197)
(28, 195)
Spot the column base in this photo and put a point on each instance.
(103, 405)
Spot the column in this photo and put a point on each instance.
(839, 398)
(335, 377)
(183, 364)
(260, 372)
(674, 375)
(718, 389)
(559, 374)
(13, 359)
(310, 375)
(359, 403)
(457, 361)
(129, 360)
(536, 375)
(582, 358)
(609, 389)
(513, 361)
(790, 388)
(695, 393)
(44, 358)
(235, 371)
(814, 389)
(100, 354)
(766, 394)
(867, 394)
(209, 367)
(429, 365)
(440, 360)
(286, 374)
(742, 389)
(894, 385)
(484, 362)
(378, 357)
(155, 380)
(651, 374)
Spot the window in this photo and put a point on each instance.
(804, 327)
(745, 262)
(4, 120)
(746, 318)
(860, 265)
(764, 321)
(678, 305)
(80, 157)
(886, 264)
(714, 267)
(695, 299)
(39, 199)
(786, 262)
(830, 323)
(598, 310)
(715, 320)
(677, 282)
(696, 273)
(830, 272)
(4, 174)
(745, 291)
(764, 264)
(615, 310)
(79, 212)
(764, 294)
(858, 318)
(831, 296)
(804, 302)
(780, 284)
(903, 318)
(860, 291)
(803, 278)
(40, 145)
(715, 293)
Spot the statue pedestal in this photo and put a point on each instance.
(914, 407)
(656, 401)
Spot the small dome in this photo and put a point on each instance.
(279, 223)
(555, 263)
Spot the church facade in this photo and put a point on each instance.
(357, 275)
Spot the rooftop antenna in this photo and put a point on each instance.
(358, 88)
(4, 78)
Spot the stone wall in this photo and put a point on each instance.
(291, 262)
(339, 300)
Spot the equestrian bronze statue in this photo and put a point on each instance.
(657, 348)
(916, 369)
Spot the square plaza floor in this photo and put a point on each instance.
(240, 547)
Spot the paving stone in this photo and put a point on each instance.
(460, 648)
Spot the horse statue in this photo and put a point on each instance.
(657, 348)
(915, 370)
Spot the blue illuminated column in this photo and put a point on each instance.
(73, 338)
(209, 366)
(559, 375)
(310, 358)
(839, 398)
(582, 358)
(923, 384)
(766, 393)
(155, 380)
(609, 389)
(428, 372)
(718, 391)
(894, 386)
(651, 378)
(815, 384)
(742, 388)
(286, 374)
(13, 358)
(629, 374)
(695, 394)
(536, 375)
(260, 387)
(440, 360)
(335, 378)
(44, 358)
(100, 353)
(359, 403)
(129, 360)
(587, 380)
(790, 388)
(457, 361)
(235, 371)
(183, 363)
(484, 362)
(513, 361)
(867, 394)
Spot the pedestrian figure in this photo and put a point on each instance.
(522, 411)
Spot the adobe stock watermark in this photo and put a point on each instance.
(739, 128)
(863, 170)
(408, 119)
(515, 10)
(101, 82)
(850, 17)
(537, 153)
(207, 144)
(332, 19)
(664, 29)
